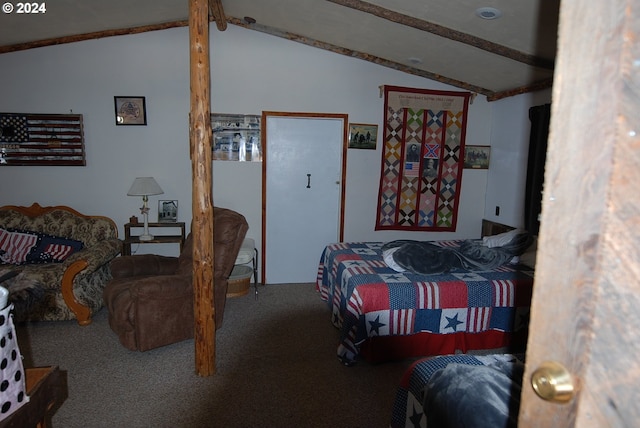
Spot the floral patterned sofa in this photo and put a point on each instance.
(59, 273)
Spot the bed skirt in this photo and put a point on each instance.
(393, 348)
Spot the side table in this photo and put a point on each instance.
(174, 238)
(47, 390)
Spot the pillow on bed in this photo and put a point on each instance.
(528, 258)
(501, 239)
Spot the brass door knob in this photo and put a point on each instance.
(552, 382)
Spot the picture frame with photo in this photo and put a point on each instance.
(236, 137)
(130, 110)
(363, 136)
(477, 157)
(167, 211)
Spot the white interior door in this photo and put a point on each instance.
(303, 160)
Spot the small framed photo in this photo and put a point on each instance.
(477, 157)
(130, 110)
(167, 211)
(363, 136)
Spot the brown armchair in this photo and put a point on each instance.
(150, 298)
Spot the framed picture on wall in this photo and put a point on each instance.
(236, 137)
(477, 157)
(167, 211)
(363, 136)
(130, 110)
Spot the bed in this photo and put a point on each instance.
(460, 390)
(385, 315)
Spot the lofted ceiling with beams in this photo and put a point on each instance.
(443, 41)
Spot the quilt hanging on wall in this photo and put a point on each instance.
(422, 159)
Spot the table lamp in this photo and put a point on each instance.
(145, 186)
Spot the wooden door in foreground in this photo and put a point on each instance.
(586, 304)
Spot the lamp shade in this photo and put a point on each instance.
(144, 186)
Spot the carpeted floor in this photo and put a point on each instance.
(276, 367)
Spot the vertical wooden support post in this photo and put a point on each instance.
(202, 225)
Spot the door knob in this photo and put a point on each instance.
(552, 382)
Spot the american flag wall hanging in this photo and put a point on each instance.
(41, 139)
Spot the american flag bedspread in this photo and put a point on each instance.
(478, 391)
(370, 302)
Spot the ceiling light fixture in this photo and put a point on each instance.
(488, 13)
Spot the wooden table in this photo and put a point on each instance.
(177, 237)
(47, 390)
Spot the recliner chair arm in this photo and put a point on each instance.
(143, 265)
(166, 287)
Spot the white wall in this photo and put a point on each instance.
(83, 78)
(510, 127)
(250, 72)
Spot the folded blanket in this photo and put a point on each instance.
(424, 257)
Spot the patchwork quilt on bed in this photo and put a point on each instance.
(460, 390)
(368, 299)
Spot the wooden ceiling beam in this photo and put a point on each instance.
(110, 33)
(216, 13)
(491, 95)
(91, 36)
(447, 33)
(538, 86)
(360, 55)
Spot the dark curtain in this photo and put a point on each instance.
(539, 117)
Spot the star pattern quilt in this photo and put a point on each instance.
(460, 390)
(392, 315)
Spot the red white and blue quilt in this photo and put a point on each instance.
(479, 391)
(391, 315)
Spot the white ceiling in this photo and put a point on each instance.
(526, 31)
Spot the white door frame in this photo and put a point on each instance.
(265, 148)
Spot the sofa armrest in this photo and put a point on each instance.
(97, 255)
(82, 263)
(143, 265)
